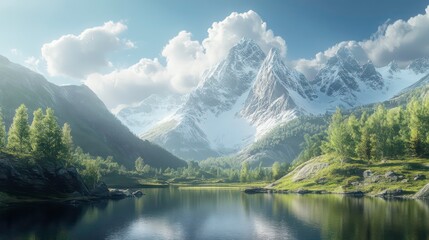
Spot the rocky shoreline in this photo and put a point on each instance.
(423, 193)
(23, 182)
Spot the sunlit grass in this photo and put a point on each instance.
(340, 175)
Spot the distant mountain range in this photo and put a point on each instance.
(94, 128)
(248, 94)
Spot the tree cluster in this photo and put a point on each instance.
(196, 171)
(386, 133)
(43, 139)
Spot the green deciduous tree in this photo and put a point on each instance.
(139, 164)
(19, 132)
(338, 136)
(276, 170)
(244, 173)
(414, 112)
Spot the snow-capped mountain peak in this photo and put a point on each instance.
(343, 78)
(248, 93)
(420, 65)
(274, 95)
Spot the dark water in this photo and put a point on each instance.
(220, 214)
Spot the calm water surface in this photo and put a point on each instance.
(216, 213)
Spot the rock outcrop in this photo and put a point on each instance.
(309, 170)
(22, 178)
(423, 193)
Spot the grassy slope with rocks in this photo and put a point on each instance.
(334, 175)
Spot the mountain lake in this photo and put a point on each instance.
(220, 213)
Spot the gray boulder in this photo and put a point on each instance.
(128, 193)
(302, 191)
(117, 194)
(308, 171)
(390, 193)
(423, 192)
(138, 193)
(367, 173)
(419, 177)
(391, 176)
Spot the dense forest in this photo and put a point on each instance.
(384, 134)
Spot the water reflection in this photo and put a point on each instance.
(220, 214)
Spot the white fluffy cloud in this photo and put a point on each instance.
(402, 41)
(224, 34)
(186, 59)
(78, 56)
(130, 84)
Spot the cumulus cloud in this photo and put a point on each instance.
(185, 61)
(86, 53)
(130, 84)
(402, 41)
(185, 58)
(224, 34)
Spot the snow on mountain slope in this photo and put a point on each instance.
(420, 65)
(202, 127)
(243, 97)
(275, 93)
(146, 114)
(397, 79)
(342, 81)
(228, 131)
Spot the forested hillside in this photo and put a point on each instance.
(95, 129)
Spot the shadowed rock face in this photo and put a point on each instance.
(18, 177)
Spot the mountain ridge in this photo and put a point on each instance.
(94, 128)
(274, 94)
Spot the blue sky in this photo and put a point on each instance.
(306, 26)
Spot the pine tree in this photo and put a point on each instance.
(376, 150)
(51, 145)
(2, 132)
(67, 142)
(19, 132)
(394, 146)
(414, 124)
(363, 148)
(353, 131)
(36, 131)
(376, 124)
